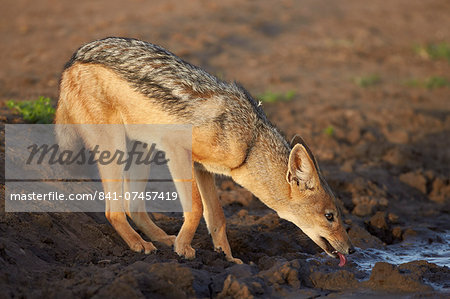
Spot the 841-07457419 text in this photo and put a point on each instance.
(58, 196)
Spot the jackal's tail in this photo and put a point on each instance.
(67, 137)
(70, 143)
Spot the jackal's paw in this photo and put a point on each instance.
(142, 245)
(235, 260)
(168, 240)
(185, 251)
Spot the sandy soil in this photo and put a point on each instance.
(384, 149)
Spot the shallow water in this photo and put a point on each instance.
(437, 252)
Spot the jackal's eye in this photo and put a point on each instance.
(329, 216)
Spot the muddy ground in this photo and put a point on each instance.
(384, 148)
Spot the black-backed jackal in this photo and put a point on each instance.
(127, 81)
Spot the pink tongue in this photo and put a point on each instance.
(342, 259)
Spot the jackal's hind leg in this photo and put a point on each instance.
(136, 179)
(119, 221)
(116, 216)
(112, 181)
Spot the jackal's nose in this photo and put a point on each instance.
(351, 250)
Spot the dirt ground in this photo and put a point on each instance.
(384, 148)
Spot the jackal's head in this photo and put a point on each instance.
(312, 205)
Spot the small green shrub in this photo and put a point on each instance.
(40, 111)
(289, 95)
(430, 83)
(413, 83)
(271, 97)
(367, 81)
(329, 131)
(434, 51)
(436, 82)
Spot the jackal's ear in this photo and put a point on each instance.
(299, 140)
(301, 168)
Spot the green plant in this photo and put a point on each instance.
(366, 81)
(329, 130)
(40, 111)
(436, 82)
(271, 97)
(289, 95)
(434, 51)
(413, 83)
(430, 83)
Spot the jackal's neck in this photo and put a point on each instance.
(264, 174)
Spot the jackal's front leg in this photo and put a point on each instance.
(191, 220)
(213, 213)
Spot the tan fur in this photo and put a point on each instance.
(249, 151)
